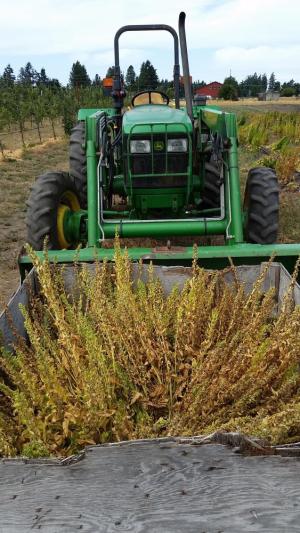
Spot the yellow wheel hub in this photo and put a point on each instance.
(68, 202)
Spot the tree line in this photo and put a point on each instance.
(79, 78)
(34, 96)
(251, 86)
(254, 84)
(147, 78)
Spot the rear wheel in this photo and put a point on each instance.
(261, 206)
(78, 160)
(52, 195)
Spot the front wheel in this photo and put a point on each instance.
(261, 206)
(51, 196)
(212, 186)
(78, 160)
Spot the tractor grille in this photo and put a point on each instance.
(159, 168)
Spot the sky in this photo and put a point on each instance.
(223, 36)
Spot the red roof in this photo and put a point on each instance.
(211, 89)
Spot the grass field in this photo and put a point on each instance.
(17, 173)
(21, 167)
(285, 105)
(11, 139)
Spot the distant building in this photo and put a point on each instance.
(212, 90)
(269, 95)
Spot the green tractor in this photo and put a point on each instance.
(156, 170)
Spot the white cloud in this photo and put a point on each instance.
(219, 32)
(262, 59)
(61, 26)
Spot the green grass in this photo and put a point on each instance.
(278, 134)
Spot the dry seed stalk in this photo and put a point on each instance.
(121, 360)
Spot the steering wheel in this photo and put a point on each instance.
(150, 97)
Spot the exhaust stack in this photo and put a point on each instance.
(185, 65)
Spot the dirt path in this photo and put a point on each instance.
(16, 176)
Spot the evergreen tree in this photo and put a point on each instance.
(53, 83)
(79, 76)
(97, 81)
(27, 75)
(198, 84)
(110, 72)
(229, 89)
(277, 86)
(8, 76)
(264, 82)
(252, 85)
(272, 82)
(287, 90)
(148, 78)
(297, 89)
(130, 78)
(165, 85)
(42, 78)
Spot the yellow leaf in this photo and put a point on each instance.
(65, 426)
(135, 398)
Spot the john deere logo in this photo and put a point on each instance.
(158, 146)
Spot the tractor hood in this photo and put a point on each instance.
(143, 118)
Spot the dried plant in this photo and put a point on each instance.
(120, 360)
(258, 129)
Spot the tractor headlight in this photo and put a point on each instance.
(140, 147)
(177, 145)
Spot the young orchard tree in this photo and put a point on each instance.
(69, 109)
(37, 109)
(52, 106)
(19, 105)
(5, 120)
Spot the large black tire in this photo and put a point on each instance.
(47, 194)
(211, 189)
(78, 160)
(262, 206)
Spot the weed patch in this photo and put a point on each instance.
(123, 361)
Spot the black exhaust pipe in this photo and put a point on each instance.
(185, 65)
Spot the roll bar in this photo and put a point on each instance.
(117, 93)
